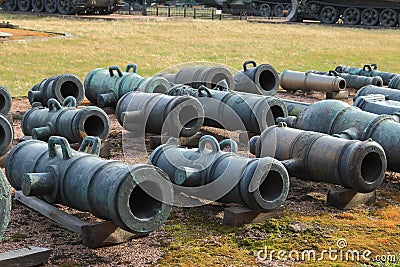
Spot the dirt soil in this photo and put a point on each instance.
(28, 228)
(24, 34)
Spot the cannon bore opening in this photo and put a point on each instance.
(342, 84)
(69, 88)
(188, 117)
(267, 80)
(371, 167)
(379, 83)
(272, 186)
(142, 201)
(94, 126)
(273, 113)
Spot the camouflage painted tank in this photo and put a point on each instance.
(64, 7)
(354, 12)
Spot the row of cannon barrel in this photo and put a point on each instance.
(321, 142)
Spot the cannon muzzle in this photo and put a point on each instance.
(359, 165)
(65, 120)
(137, 198)
(210, 173)
(58, 87)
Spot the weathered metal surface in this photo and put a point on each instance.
(353, 81)
(105, 87)
(6, 134)
(378, 104)
(5, 204)
(359, 165)
(5, 100)
(337, 118)
(65, 120)
(262, 79)
(196, 76)
(294, 107)
(390, 94)
(308, 81)
(395, 82)
(159, 113)
(136, 198)
(260, 184)
(367, 70)
(235, 111)
(58, 87)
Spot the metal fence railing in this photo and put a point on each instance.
(196, 13)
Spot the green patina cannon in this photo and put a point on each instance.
(235, 111)
(66, 120)
(195, 76)
(337, 118)
(312, 156)
(294, 107)
(378, 104)
(5, 100)
(309, 81)
(368, 70)
(353, 81)
(390, 94)
(58, 87)
(5, 204)
(6, 134)
(215, 175)
(104, 87)
(136, 198)
(158, 113)
(262, 79)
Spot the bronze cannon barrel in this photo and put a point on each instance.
(378, 104)
(195, 76)
(235, 110)
(354, 81)
(308, 81)
(136, 198)
(359, 165)
(104, 87)
(65, 120)
(158, 113)
(262, 79)
(58, 87)
(216, 175)
(369, 70)
(5, 100)
(390, 94)
(337, 118)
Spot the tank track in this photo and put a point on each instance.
(63, 7)
(384, 14)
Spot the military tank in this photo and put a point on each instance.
(65, 7)
(354, 12)
(266, 8)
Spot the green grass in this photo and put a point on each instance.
(156, 45)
